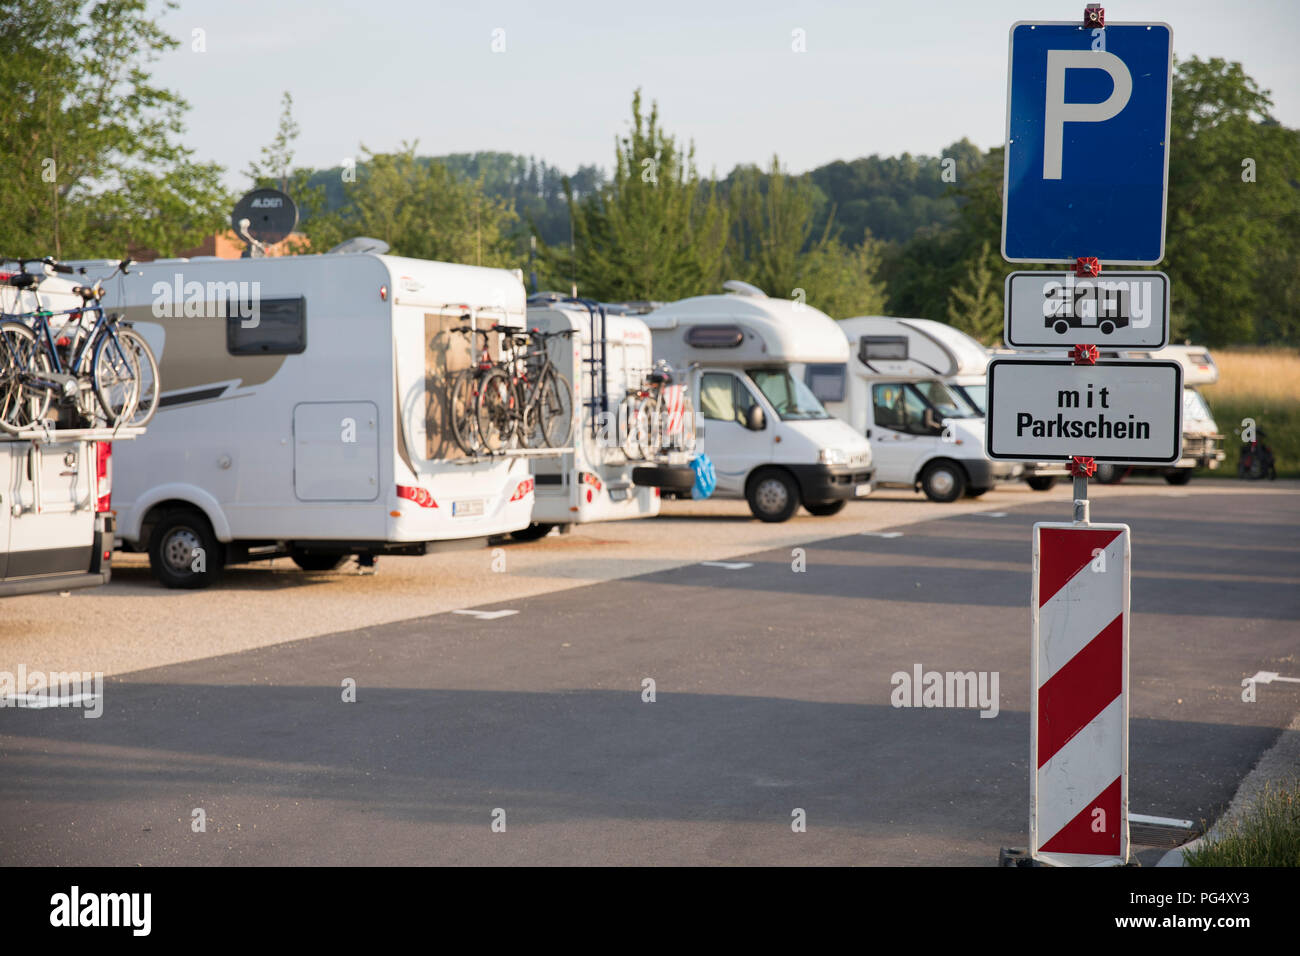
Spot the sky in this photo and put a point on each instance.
(555, 80)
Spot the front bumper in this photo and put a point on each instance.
(984, 473)
(820, 483)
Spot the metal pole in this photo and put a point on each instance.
(1081, 499)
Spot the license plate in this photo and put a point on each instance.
(862, 490)
(467, 508)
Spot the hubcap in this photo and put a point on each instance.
(942, 482)
(772, 495)
(178, 550)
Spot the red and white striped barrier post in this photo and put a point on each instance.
(1079, 706)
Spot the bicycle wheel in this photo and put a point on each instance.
(496, 411)
(21, 357)
(650, 423)
(627, 423)
(555, 409)
(147, 402)
(115, 372)
(686, 431)
(463, 412)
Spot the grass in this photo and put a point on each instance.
(1268, 834)
(1263, 385)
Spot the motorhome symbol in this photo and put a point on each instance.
(1105, 306)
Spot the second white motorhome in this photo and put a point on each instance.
(770, 440)
(305, 412)
(901, 387)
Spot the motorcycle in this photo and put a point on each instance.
(1256, 460)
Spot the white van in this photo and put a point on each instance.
(304, 412)
(56, 517)
(899, 388)
(1202, 440)
(769, 438)
(605, 356)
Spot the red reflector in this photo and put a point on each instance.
(103, 476)
(418, 495)
(63, 341)
(383, 293)
(588, 496)
(106, 555)
(524, 490)
(589, 479)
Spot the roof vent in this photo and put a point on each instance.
(360, 245)
(736, 287)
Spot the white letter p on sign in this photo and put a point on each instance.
(1058, 112)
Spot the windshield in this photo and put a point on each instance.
(945, 401)
(791, 398)
(977, 395)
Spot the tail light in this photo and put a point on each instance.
(587, 478)
(420, 496)
(524, 490)
(103, 476)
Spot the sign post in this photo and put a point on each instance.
(1085, 181)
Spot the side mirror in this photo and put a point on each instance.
(756, 421)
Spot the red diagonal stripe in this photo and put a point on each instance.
(1081, 689)
(1063, 553)
(1080, 834)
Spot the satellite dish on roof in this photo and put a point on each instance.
(263, 218)
(359, 245)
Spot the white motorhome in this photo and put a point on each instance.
(904, 386)
(1202, 440)
(769, 438)
(56, 517)
(305, 412)
(605, 356)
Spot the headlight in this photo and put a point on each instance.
(833, 456)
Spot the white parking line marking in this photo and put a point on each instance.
(729, 565)
(991, 514)
(485, 615)
(882, 534)
(1267, 677)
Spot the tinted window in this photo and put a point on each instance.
(826, 381)
(724, 397)
(878, 347)
(267, 327)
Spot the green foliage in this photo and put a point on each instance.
(92, 148)
(654, 231)
(975, 303)
(1268, 834)
(1278, 422)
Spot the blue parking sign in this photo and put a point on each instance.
(1087, 158)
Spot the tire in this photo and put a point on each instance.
(1041, 482)
(497, 411)
(317, 560)
(975, 492)
(115, 371)
(678, 479)
(21, 354)
(1108, 474)
(147, 401)
(533, 532)
(773, 495)
(1061, 327)
(175, 538)
(943, 481)
(1180, 477)
(1107, 327)
(825, 509)
(462, 411)
(555, 409)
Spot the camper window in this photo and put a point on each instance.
(945, 401)
(826, 382)
(268, 327)
(714, 336)
(724, 397)
(890, 348)
(899, 408)
(791, 398)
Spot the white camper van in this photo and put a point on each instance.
(903, 388)
(770, 440)
(1202, 440)
(56, 518)
(304, 412)
(605, 356)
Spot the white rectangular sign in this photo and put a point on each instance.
(1128, 310)
(1128, 412)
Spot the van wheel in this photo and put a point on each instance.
(1041, 482)
(772, 495)
(943, 481)
(1180, 477)
(1108, 474)
(826, 508)
(317, 560)
(532, 533)
(183, 551)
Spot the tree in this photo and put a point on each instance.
(975, 304)
(92, 147)
(273, 171)
(654, 231)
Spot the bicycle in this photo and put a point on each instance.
(659, 415)
(112, 360)
(464, 392)
(525, 400)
